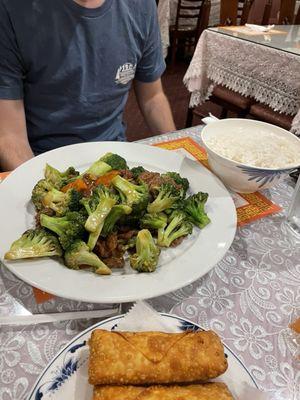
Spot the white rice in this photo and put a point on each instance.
(257, 149)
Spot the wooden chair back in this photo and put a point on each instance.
(235, 12)
(195, 11)
(287, 12)
(297, 17)
(267, 12)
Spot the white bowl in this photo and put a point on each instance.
(239, 177)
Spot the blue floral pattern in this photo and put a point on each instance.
(189, 326)
(263, 176)
(68, 368)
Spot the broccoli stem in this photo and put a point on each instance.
(98, 216)
(92, 260)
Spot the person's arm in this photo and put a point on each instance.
(14, 146)
(147, 84)
(154, 106)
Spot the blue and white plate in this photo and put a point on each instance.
(66, 376)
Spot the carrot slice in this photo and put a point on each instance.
(106, 178)
(78, 185)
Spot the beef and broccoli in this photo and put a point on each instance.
(97, 218)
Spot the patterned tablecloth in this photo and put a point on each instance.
(249, 299)
(167, 15)
(269, 75)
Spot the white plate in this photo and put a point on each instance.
(66, 376)
(178, 267)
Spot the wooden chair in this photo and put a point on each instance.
(235, 12)
(267, 13)
(232, 12)
(287, 12)
(187, 11)
(297, 17)
(264, 113)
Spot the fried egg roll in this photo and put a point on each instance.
(144, 358)
(205, 391)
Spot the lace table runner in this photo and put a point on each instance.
(268, 75)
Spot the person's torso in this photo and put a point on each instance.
(78, 65)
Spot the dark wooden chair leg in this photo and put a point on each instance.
(174, 51)
(189, 118)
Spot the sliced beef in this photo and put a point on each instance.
(126, 174)
(177, 241)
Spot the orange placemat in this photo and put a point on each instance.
(250, 207)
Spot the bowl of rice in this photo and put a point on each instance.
(249, 155)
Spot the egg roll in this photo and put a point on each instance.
(144, 358)
(205, 391)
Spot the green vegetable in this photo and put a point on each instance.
(178, 226)
(147, 253)
(166, 198)
(113, 217)
(61, 202)
(39, 192)
(134, 196)
(57, 178)
(98, 168)
(114, 161)
(98, 207)
(34, 243)
(179, 180)
(137, 171)
(79, 254)
(127, 244)
(194, 206)
(68, 228)
(154, 221)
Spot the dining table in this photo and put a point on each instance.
(249, 298)
(167, 10)
(262, 65)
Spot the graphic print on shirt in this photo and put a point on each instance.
(125, 73)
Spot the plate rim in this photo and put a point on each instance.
(120, 316)
(129, 297)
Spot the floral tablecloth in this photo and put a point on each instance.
(269, 75)
(249, 299)
(167, 15)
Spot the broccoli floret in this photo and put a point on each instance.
(61, 202)
(154, 221)
(179, 180)
(178, 226)
(98, 168)
(39, 192)
(68, 228)
(34, 243)
(147, 253)
(137, 171)
(113, 217)
(98, 207)
(126, 244)
(114, 161)
(79, 254)
(57, 178)
(134, 196)
(166, 198)
(194, 206)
